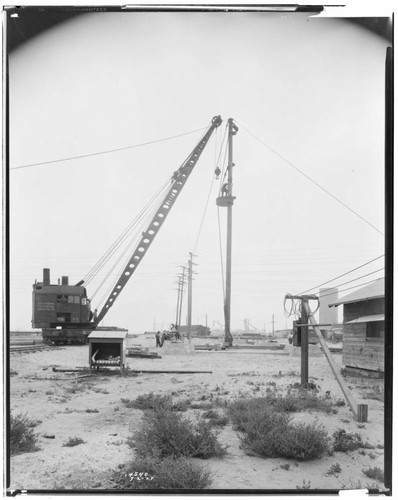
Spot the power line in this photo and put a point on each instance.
(351, 281)
(356, 286)
(107, 151)
(313, 181)
(341, 275)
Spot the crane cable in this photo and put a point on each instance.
(312, 180)
(147, 217)
(110, 252)
(124, 235)
(107, 151)
(207, 201)
(128, 248)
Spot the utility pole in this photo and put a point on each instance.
(273, 323)
(227, 200)
(181, 282)
(190, 273)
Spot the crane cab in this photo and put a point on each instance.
(60, 305)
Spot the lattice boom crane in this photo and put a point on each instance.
(63, 311)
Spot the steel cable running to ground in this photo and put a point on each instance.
(107, 151)
(341, 275)
(312, 180)
(124, 235)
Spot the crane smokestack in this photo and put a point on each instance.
(46, 276)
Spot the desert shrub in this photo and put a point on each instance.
(306, 485)
(210, 414)
(374, 473)
(153, 401)
(74, 442)
(207, 405)
(94, 410)
(269, 433)
(164, 433)
(334, 469)
(347, 441)
(304, 441)
(218, 421)
(169, 473)
(22, 437)
(298, 441)
(289, 402)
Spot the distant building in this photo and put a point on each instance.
(326, 314)
(196, 330)
(363, 327)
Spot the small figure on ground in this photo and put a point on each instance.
(157, 337)
(174, 332)
(163, 338)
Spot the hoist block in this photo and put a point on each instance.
(225, 201)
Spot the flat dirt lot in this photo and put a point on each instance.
(91, 408)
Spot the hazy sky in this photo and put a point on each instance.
(310, 88)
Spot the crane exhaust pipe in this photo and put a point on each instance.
(46, 276)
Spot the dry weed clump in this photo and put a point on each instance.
(348, 441)
(215, 419)
(22, 437)
(165, 433)
(293, 402)
(269, 433)
(374, 473)
(169, 473)
(153, 401)
(74, 442)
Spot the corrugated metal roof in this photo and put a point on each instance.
(372, 291)
(108, 334)
(367, 319)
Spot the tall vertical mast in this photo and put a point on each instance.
(227, 200)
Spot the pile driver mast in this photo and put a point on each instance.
(227, 200)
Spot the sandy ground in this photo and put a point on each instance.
(60, 402)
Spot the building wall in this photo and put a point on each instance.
(362, 352)
(363, 308)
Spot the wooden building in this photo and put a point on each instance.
(363, 327)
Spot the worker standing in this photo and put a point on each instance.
(157, 336)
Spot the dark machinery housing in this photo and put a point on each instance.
(62, 311)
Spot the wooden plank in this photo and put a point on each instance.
(335, 369)
(168, 371)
